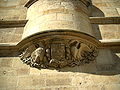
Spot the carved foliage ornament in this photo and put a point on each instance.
(58, 53)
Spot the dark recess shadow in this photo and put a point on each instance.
(96, 12)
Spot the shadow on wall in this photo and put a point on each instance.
(112, 68)
(96, 12)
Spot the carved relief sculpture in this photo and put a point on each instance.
(58, 53)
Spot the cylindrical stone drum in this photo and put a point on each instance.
(50, 15)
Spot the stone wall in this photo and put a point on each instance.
(100, 75)
(11, 35)
(103, 74)
(12, 10)
(106, 8)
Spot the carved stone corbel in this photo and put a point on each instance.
(58, 53)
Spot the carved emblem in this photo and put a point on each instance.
(58, 53)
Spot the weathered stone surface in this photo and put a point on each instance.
(35, 71)
(12, 10)
(19, 64)
(7, 71)
(6, 62)
(8, 81)
(107, 57)
(67, 88)
(14, 75)
(10, 35)
(110, 31)
(33, 81)
(23, 71)
(112, 87)
(12, 14)
(107, 7)
(57, 80)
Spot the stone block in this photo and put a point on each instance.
(83, 26)
(58, 10)
(112, 87)
(6, 62)
(31, 81)
(57, 25)
(77, 80)
(113, 4)
(79, 16)
(43, 18)
(100, 4)
(11, 4)
(108, 31)
(8, 81)
(103, 80)
(96, 1)
(92, 87)
(10, 35)
(34, 71)
(48, 71)
(66, 17)
(7, 71)
(47, 88)
(68, 5)
(25, 81)
(107, 57)
(12, 13)
(109, 12)
(38, 81)
(23, 71)
(18, 64)
(58, 80)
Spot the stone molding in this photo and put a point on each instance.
(7, 49)
(105, 20)
(12, 24)
(30, 2)
(93, 20)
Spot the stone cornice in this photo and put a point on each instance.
(112, 43)
(12, 24)
(93, 20)
(105, 20)
(13, 48)
(30, 2)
